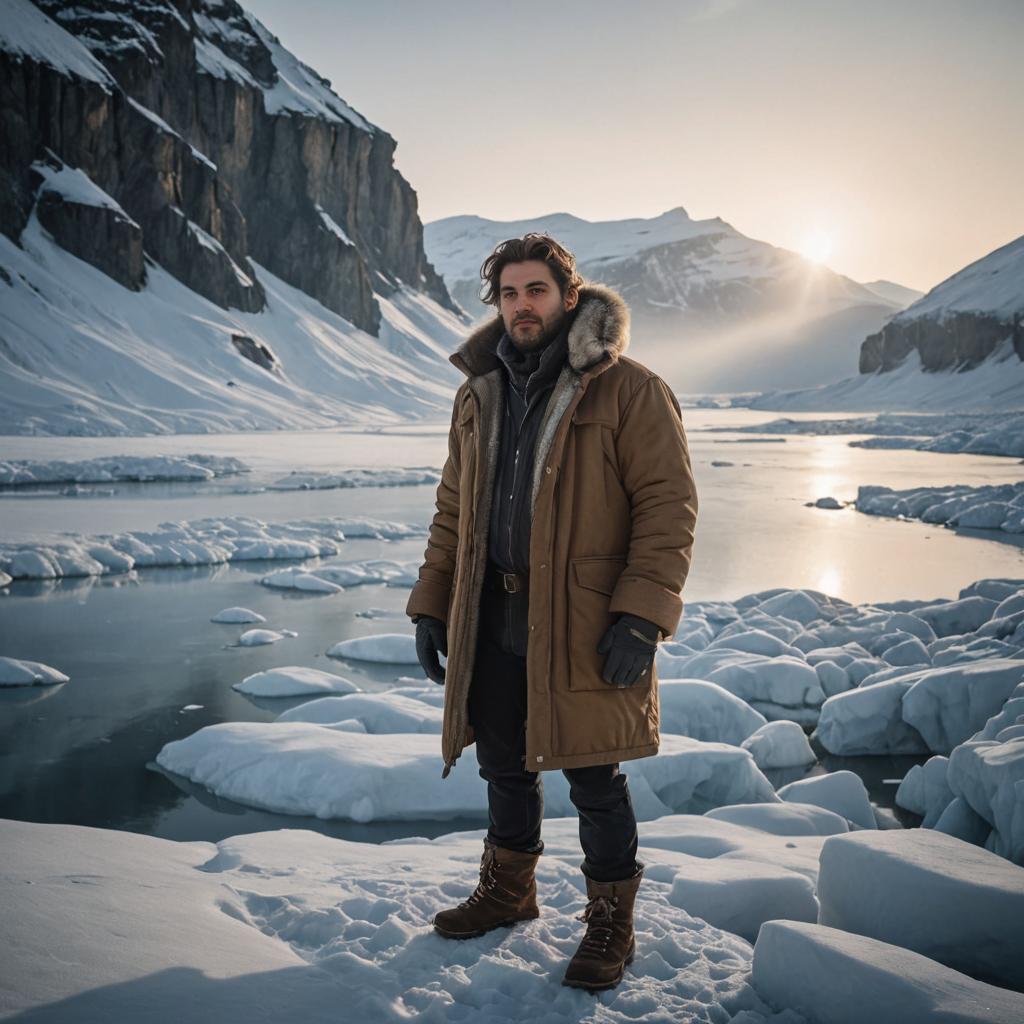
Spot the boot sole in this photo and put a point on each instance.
(507, 923)
(601, 986)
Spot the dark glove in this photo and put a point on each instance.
(431, 637)
(630, 645)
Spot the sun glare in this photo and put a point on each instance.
(817, 247)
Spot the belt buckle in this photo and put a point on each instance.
(510, 582)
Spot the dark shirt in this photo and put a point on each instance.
(529, 380)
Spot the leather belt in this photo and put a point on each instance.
(509, 582)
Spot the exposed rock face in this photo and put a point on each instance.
(255, 352)
(973, 315)
(960, 341)
(218, 144)
(102, 236)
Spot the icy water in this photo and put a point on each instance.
(140, 651)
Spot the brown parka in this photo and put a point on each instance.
(614, 511)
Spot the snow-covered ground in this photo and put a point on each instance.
(980, 434)
(997, 384)
(294, 925)
(168, 363)
(995, 507)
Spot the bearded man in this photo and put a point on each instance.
(554, 565)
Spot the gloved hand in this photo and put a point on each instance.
(431, 637)
(630, 645)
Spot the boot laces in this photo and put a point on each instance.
(599, 916)
(488, 879)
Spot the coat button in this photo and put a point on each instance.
(532, 628)
(543, 565)
(547, 469)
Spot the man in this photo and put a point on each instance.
(555, 562)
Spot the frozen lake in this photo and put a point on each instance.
(139, 651)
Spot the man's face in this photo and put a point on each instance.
(531, 305)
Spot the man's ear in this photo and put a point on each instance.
(572, 296)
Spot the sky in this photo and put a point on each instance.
(883, 137)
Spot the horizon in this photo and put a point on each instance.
(815, 130)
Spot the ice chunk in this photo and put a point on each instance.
(18, 672)
(705, 711)
(931, 893)
(841, 792)
(294, 681)
(389, 648)
(779, 745)
(830, 975)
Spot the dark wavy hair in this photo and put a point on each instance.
(532, 246)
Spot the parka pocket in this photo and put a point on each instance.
(591, 584)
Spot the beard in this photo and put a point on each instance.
(538, 339)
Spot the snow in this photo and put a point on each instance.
(298, 767)
(868, 720)
(705, 711)
(738, 896)
(169, 365)
(993, 285)
(779, 745)
(237, 614)
(120, 468)
(928, 892)
(989, 776)
(377, 713)
(777, 687)
(214, 540)
(976, 434)
(986, 507)
(948, 705)
(785, 819)
(293, 925)
(293, 681)
(849, 979)
(997, 384)
(16, 672)
(396, 476)
(76, 186)
(456, 246)
(259, 637)
(27, 32)
(841, 792)
(388, 648)
(332, 225)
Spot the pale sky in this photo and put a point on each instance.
(892, 131)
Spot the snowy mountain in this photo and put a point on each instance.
(970, 317)
(197, 233)
(713, 310)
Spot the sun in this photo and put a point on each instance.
(817, 247)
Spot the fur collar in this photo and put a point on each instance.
(601, 328)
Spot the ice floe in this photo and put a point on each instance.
(17, 672)
(201, 542)
(294, 681)
(123, 468)
(985, 507)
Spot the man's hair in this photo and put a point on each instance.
(532, 246)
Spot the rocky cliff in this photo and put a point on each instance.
(217, 144)
(968, 318)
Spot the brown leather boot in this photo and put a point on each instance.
(506, 893)
(609, 943)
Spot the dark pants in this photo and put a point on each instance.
(515, 796)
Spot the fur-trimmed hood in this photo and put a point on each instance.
(601, 328)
